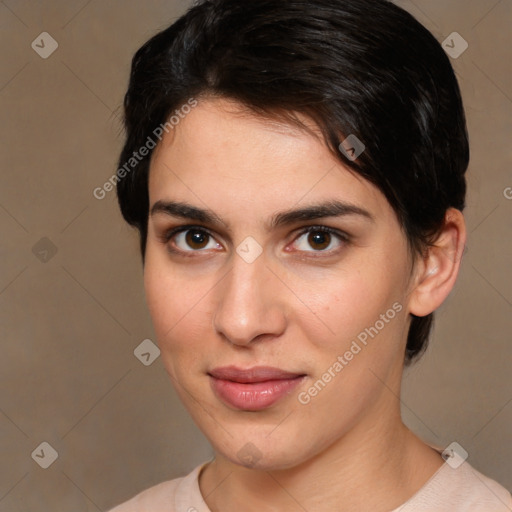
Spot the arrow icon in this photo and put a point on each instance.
(249, 454)
(448, 454)
(44, 250)
(45, 455)
(44, 45)
(454, 45)
(351, 147)
(249, 249)
(146, 352)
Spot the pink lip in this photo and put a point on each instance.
(252, 389)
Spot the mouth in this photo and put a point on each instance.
(252, 389)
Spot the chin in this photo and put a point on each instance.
(259, 451)
(251, 457)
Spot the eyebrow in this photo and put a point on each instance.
(333, 208)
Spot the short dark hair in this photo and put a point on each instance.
(355, 67)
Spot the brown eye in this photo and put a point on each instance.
(319, 239)
(196, 239)
(322, 239)
(190, 240)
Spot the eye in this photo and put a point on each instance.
(320, 239)
(191, 239)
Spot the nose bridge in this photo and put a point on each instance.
(248, 305)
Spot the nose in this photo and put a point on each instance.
(249, 304)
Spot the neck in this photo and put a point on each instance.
(376, 466)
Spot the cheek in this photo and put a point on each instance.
(175, 304)
(162, 298)
(344, 304)
(180, 305)
(351, 360)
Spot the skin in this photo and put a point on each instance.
(297, 307)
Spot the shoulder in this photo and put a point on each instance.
(480, 491)
(157, 498)
(169, 496)
(458, 490)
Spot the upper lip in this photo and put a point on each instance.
(251, 375)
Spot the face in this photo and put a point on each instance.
(277, 282)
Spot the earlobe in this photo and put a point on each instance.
(437, 272)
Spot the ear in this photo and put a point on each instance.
(436, 272)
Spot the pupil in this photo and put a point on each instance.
(318, 238)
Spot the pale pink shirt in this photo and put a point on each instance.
(463, 489)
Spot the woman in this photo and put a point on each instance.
(296, 172)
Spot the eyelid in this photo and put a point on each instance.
(168, 234)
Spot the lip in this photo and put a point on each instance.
(252, 389)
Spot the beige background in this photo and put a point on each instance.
(69, 325)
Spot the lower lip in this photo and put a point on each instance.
(253, 396)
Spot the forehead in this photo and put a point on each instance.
(235, 161)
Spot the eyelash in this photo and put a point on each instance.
(167, 236)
